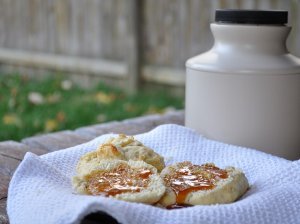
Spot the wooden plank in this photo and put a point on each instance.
(17, 150)
(107, 26)
(164, 75)
(11, 29)
(50, 26)
(172, 117)
(8, 165)
(62, 63)
(3, 197)
(199, 27)
(134, 44)
(4, 185)
(11, 154)
(117, 128)
(91, 29)
(113, 29)
(176, 117)
(75, 18)
(3, 214)
(61, 11)
(23, 19)
(2, 22)
(183, 39)
(41, 33)
(55, 141)
(95, 130)
(134, 125)
(293, 42)
(158, 17)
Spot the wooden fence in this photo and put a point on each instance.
(131, 41)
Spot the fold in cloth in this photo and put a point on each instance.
(41, 191)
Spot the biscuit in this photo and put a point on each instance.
(90, 159)
(189, 184)
(134, 181)
(135, 150)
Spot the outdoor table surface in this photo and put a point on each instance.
(12, 152)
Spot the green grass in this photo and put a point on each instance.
(61, 108)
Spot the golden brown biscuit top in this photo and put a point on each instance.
(108, 151)
(122, 179)
(186, 178)
(135, 150)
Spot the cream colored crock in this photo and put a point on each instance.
(246, 90)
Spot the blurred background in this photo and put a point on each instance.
(70, 63)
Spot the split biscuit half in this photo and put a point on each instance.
(121, 147)
(188, 184)
(133, 181)
(135, 150)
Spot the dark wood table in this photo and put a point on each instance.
(12, 152)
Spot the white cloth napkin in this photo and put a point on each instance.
(41, 192)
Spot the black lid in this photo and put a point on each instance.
(251, 16)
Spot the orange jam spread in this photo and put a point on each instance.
(121, 179)
(188, 178)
